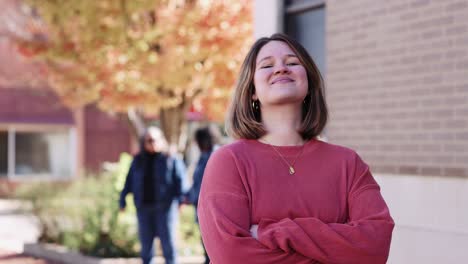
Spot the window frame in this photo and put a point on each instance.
(294, 8)
(13, 128)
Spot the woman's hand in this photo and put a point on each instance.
(254, 231)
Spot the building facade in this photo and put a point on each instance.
(397, 88)
(41, 139)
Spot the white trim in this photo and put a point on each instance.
(305, 6)
(268, 17)
(13, 128)
(435, 229)
(438, 177)
(39, 127)
(38, 177)
(11, 153)
(72, 137)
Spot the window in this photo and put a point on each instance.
(305, 21)
(37, 153)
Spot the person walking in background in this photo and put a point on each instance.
(205, 143)
(277, 194)
(158, 182)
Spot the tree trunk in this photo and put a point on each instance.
(174, 125)
(136, 123)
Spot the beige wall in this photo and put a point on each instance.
(431, 218)
(268, 17)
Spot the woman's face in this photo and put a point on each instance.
(279, 76)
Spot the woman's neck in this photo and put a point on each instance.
(282, 125)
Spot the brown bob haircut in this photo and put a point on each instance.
(243, 121)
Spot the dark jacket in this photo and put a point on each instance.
(170, 183)
(194, 192)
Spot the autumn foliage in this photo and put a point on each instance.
(149, 55)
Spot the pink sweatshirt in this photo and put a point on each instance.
(329, 211)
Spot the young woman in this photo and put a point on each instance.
(277, 194)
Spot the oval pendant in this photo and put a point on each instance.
(291, 170)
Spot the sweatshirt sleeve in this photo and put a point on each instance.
(224, 216)
(364, 239)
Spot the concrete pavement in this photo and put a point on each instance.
(9, 257)
(18, 228)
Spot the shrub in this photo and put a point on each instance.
(84, 216)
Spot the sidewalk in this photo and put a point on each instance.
(18, 228)
(8, 257)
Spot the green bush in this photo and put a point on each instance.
(83, 215)
(189, 234)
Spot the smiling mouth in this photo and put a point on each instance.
(282, 80)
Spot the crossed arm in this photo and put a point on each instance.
(365, 238)
(226, 229)
(224, 217)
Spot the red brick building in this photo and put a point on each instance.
(40, 138)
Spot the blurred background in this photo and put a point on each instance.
(79, 80)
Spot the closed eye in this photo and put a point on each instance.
(266, 66)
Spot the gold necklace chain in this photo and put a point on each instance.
(290, 165)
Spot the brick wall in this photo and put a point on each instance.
(106, 138)
(397, 83)
(35, 106)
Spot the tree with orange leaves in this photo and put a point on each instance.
(146, 56)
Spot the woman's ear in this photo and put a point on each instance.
(254, 97)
